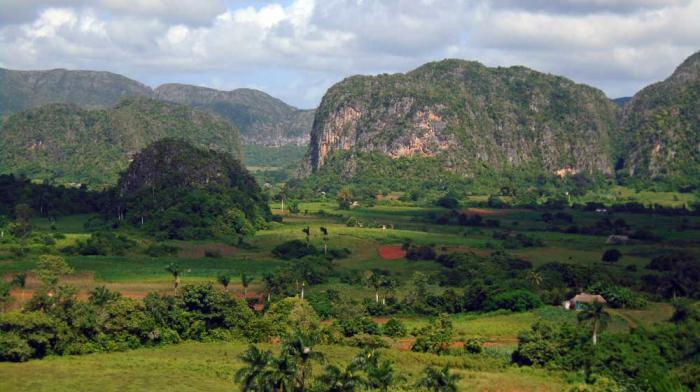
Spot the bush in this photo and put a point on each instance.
(473, 346)
(294, 249)
(447, 201)
(354, 326)
(158, 250)
(515, 300)
(422, 252)
(394, 328)
(611, 256)
(13, 348)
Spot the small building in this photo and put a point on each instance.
(617, 239)
(576, 303)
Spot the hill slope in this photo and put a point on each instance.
(90, 89)
(69, 144)
(661, 128)
(263, 119)
(467, 117)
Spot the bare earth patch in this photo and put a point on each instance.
(391, 252)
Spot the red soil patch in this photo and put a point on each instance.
(392, 252)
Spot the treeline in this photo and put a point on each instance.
(45, 199)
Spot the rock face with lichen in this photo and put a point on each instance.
(468, 115)
(660, 128)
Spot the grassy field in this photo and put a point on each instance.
(210, 366)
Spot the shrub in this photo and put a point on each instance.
(515, 300)
(473, 346)
(394, 328)
(447, 201)
(294, 249)
(611, 256)
(14, 348)
(158, 250)
(422, 252)
(354, 326)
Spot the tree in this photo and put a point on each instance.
(3, 222)
(101, 296)
(344, 198)
(5, 294)
(380, 374)
(535, 278)
(335, 379)
(324, 231)
(307, 231)
(375, 280)
(23, 221)
(50, 268)
(299, 346)
(611, 256)
(389, 285)
(596, 316)
(224, 280)
(438, 380)
(20, 280)
(174, 270)
(252, 377)
(245, 282)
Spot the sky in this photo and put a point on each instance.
(296, 49)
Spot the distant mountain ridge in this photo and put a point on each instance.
(67, 143)
(262, 119)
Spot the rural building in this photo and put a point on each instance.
(618, 239)
(577, 302)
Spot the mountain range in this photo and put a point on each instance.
(451, 117)
(473, 121)
(69, 144)
(262, 119)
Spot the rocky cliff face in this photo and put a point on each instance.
(263, 120)
(90, 89)
(661, 127)
(468, 115)
(66, 143)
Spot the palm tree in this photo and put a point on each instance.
(324, 231)
(251, 376)
(281, 376)
(382, 376)
(299, 346)
(438, 380)
(245, 281)
(174, 270)
(307, 231)
(595, 315)
(224, 280)
(335, 379)
(535, 278)
(374, 280)
(389, 285)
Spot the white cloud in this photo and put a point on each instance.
(299, 48)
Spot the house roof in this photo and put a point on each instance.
(588, 298)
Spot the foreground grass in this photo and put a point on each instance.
(210, 366)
